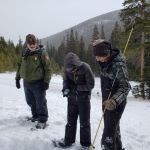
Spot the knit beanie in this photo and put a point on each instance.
(31, 39)
(101, 48)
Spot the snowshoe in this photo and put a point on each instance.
(61, 144)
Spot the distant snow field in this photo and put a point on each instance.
(15, 133)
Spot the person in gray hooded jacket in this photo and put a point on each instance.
(78, 82)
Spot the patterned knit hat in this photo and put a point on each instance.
(101, 48)
(31, 39)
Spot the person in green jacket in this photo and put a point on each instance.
(34, 69)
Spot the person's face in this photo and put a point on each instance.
(102, 58)
(32, 47)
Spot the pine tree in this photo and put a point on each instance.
(19, 46)
(115, 35)
(77, 41)
(102, 33)
(95, 34)
(8, 57)
(90, 56)
(60, 54)
(137, 12)
(71, 45)
(82, 53)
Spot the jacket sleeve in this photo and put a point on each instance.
(123, 84)
(89, 78)
(46, 66)
(18, 69)
(65, 81)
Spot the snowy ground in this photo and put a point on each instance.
(15, 133)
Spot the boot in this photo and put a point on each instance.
(32, 119)
(41, 125)
(62, 144)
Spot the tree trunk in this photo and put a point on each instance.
(142, 55)
(142, 67)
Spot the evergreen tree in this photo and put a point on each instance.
(19, 46)
(82, 53)
(77, 43)
(102, 33)
(115, 35)
(71, 42)
(8, 57)
(95, 34)
(60, 54)
(137, 12)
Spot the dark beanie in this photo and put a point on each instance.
(31, 39)
(102, 48)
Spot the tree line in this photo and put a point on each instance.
(135, 15)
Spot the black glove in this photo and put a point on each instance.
(44, 86)
(18, 83)
(65, 92)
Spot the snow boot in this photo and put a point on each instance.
(32, 119)
(61, 144)
(41, 125)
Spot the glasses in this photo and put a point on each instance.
(32, 44)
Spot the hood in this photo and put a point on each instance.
(72, 60)
(117, 56)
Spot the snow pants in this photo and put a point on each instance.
(36, 99)
(78, 105)
(111, 138)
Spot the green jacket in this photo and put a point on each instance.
(31, 69)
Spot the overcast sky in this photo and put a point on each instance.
(47, 17)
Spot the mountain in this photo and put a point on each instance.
(85, 29)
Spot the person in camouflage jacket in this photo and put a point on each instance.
(34, 69)
(114, 87)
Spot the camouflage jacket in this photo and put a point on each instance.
(31, 68)
(114, 78)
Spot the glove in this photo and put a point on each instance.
(45, 86)
(110, 104)
(18, 83)
(65, 92)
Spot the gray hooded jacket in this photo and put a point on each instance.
(77, 74)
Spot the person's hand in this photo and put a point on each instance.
(45, 86)
(18, 83)
(65, 92)
(110, 104)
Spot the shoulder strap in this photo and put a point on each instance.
(40, 51)
(23, 52)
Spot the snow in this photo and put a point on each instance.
(15, 133)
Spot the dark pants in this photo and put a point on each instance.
(78, 105)
(111, 138)
(36, 99)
